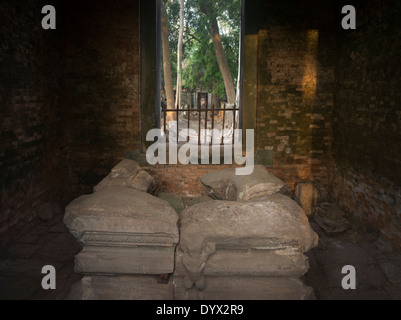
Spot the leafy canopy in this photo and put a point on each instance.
(200, 66)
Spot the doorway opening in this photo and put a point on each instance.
(200, 70)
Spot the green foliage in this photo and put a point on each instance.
(200, 67)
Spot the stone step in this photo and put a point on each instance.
(245, 288)
(144, 260)
(121, 288)
(262, 263)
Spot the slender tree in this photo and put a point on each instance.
(179, 56)
(237, 98)
(207, 8)
(168, 82)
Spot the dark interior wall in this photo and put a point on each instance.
(31, 148)
(295, 85)
(367, 118)
(102, 70)
(70, 100)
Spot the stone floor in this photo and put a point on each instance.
(25, 250)
(377, 265)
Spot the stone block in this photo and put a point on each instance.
(276, 224)
(121, 215)
(144, 182)
(146, 260)
(123, 230)
(226, 185)
(306, 195)
(173, 199)
(245, 288)
(121, 288)
(255, 263)
(128, 174)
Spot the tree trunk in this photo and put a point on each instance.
(179, 57)
(219, 50)
(239, 72)
(222, 60)
(168, 82)
(215, 101)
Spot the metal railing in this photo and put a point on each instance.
(206, 111)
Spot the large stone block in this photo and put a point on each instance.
(276, 224)
(128, 174)
(123, 230)
(245, 288)
(118, 215)
(143, 181)
(306, 196)
(145, 259)
(226, 185)
(251, 262)
(120, 288)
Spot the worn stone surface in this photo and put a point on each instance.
(219, 185)
(191, 201)
(173, 199)
(121, 215)
(124, 231)
(306, 196)
(126, 167)
(277, 223)
(143, 260)
(259, 263)
(128, 174)
(245, 288)
(121, 288)
(331, 219)
(225, 185)
(20, 276)
(143, 181)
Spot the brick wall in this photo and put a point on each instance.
(183, 179)
(31, 148)
(102, 68)
(367, 118)
(296, 65)
(295, 94)
(371, 199)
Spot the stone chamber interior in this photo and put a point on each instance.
(324, 103)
